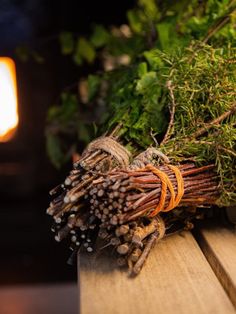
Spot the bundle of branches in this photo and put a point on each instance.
(101, 155)
(125, 82)
(184, 103)
(196, 153)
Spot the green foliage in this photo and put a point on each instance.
(84, 51)
(67, 125)
(93, 86)
(63, 114)
(135, 100)
(100, 36)
(204, 89)
(141, 17)
(54, 149)
(177, 49)
(169, 26)
(134, 21)
(67, 43)
(25, 53)
(164, 35)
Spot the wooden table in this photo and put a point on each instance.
(183, 274)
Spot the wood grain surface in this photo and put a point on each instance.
(219, 247)
(175, 279)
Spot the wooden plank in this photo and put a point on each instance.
(219, 247)
(39, 299)
(175, 279)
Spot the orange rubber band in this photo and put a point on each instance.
(166, 183)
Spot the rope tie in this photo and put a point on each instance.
(166, 183)
(144, 158)
(112, 147)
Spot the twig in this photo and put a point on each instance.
(138, 266)
(154, 138)
(172, 113)
(229, 151)
(114, 132)
(209, 125)
(212, 30)
(223, 21)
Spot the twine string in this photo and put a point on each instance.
(144, 158)
(167, 184)
(112, 147)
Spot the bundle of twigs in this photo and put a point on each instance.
(125, 195)
(127, 204)
(119, 207)
(101, 155)
(120, 204)
(130, 205)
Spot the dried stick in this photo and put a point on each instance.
(212, 31)
(219, 24)
(209, 125)
(172, 113)
(139, 264)
(229, 151)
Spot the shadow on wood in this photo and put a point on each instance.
(175, 279)
(219, 246)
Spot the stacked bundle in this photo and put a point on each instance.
(129, 204)
(100, 156)
(126, 195)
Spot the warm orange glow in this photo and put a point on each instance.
(8, 99)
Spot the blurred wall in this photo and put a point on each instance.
(28, 250)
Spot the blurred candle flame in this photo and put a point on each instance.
(8, 99)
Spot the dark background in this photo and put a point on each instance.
(27, 248)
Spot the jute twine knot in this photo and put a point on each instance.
(112, 147)
(145, 157)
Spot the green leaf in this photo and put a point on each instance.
(145, 82)
(154, 59)
(163, 30)
(66, 111)
(134, 21)
(142, 69)
(67, 43)
(54, 150)
(84, 50)
(100, 36)
(77, 58)
(84, 133)
(95, 129)
(93, 86)
(150, 8)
